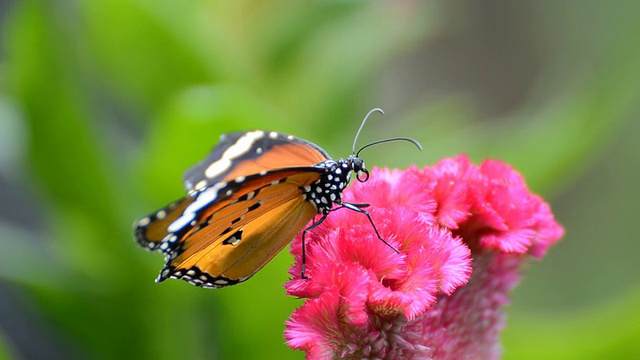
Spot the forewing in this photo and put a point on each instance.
(246, 153)
(239, 256)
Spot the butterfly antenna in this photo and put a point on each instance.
(413, 141)
(353, 149)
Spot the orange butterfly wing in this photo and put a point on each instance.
(213, 255)
(247, 153)
(151, 230)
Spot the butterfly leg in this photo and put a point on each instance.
(359, 208)
(304, 253)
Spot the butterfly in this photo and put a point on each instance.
(246, 201)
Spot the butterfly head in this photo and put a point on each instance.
(357, 165)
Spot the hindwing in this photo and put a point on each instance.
(151, 230)
(230, 244)
(192, 213)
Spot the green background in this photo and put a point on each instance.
(104, 103)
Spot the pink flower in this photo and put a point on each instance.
(462, 231)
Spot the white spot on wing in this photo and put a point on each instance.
(181, 222)
(217, 168)
(204, 199)
(200, 185)
(242, 145)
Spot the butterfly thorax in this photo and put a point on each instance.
(327, 190)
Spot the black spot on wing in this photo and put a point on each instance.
(250, 195)
(233, 239)
(254, 206)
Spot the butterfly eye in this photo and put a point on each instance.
(362, 175)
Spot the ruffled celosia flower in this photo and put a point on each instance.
(463, 232)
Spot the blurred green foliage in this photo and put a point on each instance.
(104, 103)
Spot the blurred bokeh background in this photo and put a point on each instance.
(104, 103)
